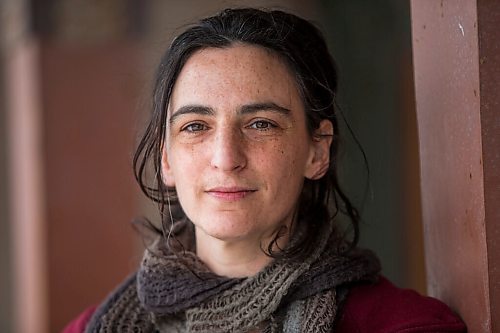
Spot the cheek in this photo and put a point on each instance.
(182, 165)
(284, 163)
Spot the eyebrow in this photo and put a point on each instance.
(245, 109)
(191, 109)
(270, 106)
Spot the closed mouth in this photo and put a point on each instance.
(230, 193)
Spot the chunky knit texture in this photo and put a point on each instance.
(176, 292)
(121, 312)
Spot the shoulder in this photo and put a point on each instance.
(79, 323)
(124, 294)
(384, 308)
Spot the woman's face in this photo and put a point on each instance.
(237, 147)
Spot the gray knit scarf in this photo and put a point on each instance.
(176, 292)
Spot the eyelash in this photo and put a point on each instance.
(269, 125)
(256, 125)
(189, 128)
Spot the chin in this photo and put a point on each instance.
(224, 230)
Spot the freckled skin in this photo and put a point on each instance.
(229, 149)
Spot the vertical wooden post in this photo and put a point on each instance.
(489, 85)
(456, 59)
(26, 183)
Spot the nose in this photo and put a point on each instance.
(228, 153)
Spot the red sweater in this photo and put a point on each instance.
(377, 308)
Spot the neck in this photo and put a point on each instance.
(235, 258)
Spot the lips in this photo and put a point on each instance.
(230, 193)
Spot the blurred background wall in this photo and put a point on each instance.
(74, 91)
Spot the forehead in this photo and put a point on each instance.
(235, 74)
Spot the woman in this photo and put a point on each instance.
(243, 141)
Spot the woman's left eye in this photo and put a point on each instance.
(262, 125)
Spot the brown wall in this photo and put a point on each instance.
(89, 106)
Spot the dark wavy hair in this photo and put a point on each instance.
(303, 49)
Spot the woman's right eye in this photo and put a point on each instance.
(194, 127)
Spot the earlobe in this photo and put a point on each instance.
(319, 160)
(166, 171)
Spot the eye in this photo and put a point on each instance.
(194, 127)
(262, 125)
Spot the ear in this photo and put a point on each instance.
(166, 171)
(319, 157)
